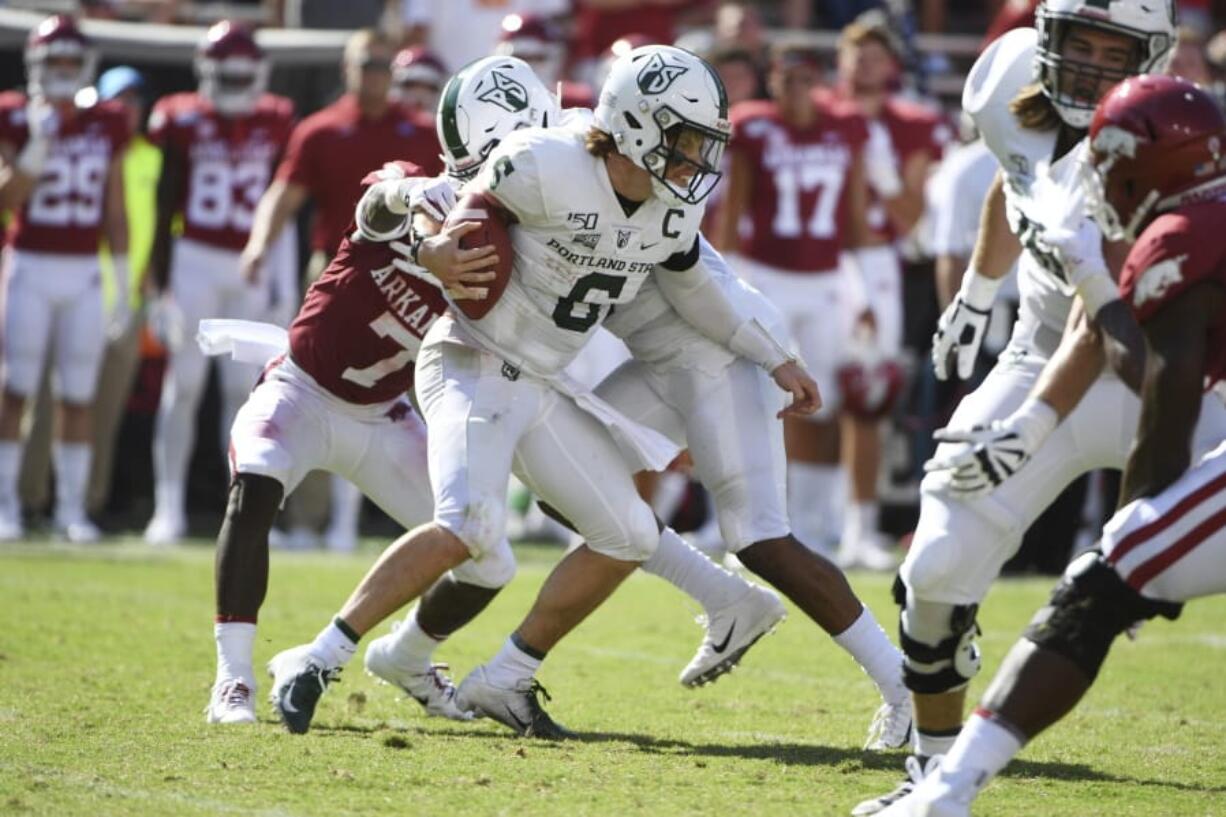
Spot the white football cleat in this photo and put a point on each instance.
(940, 794)
(165, 529)
(868, 552)
(78, 530)
(11, 528)
(516, 707)
(298, 681)
(891, 726)
(731, 631)
(916, 769)
(232, 701)
(431, 688)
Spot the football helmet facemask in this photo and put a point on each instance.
(1150, 23)
(667, 111)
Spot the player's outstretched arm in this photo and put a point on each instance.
(992, 452)
(279, 203)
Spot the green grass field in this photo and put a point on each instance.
(106, 658)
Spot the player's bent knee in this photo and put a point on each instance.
(929, 566)
(938, 643)
(633, 538)
(1088, 609)
(254, 499)
(480, 524)
(492, 571)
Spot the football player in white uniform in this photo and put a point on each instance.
(1154, 178)
(492, 392)
(1036, 131)
(687, 387)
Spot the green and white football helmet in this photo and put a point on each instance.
(482, 103)
(668, 113)
(1151, 23)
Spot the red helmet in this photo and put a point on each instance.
(232, 69)
(1156, 142)
(870, 388)
(53, 39)
(418, 77)
(537, 41)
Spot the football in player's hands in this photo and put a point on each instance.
(491, 232)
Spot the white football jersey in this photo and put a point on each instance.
(577, 252)
(656, 334)
(1032, 180)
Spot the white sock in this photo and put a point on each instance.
(170, 499)
(926, 744)
(860, 521)
(71, 461)
(10, 466)
(694, 574)
(333, 647)
(810, 491)
(412, 647)
(511, 665)
(346, 506)
(235, 650)
(985, 745)
(875, 654)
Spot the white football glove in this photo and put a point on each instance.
(1079, 251)
(880, 166)
(434, 198)
(42, 119)
(991, 453)
(42, 123)
(962, 325)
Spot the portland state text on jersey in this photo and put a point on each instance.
(578, 259)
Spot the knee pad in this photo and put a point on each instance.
(481, 526)
(938, 643)
(492, 571)
(638, 536)
(1088, 609)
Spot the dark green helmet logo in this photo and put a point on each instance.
(507, 93)
(658, 74)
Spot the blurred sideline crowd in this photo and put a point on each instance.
(144, 451)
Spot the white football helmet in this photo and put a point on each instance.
(60, 60)
(667, 111)
(232, 68)
(1150, 22)
(484, 102)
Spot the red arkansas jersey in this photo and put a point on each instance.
(64, 211)
(332, 150)
(227, 161)
(798, 208)
(1176, 251)
(913, 128)
(362, 322)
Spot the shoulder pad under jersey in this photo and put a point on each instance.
(1002, 70)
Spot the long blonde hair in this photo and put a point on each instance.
(1033, 109)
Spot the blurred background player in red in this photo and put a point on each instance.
(329, 154)
(418, 76)
(796, 199)
(540, 42)
(904, 139)
(220, 145)
(63, 180)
